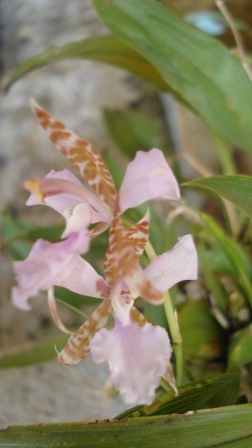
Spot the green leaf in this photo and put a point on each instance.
(197, 67)
(228, 427)
(33, 353)
(203, 338)
(133, 131)
(238, 258)
(102, 49)
(236, 189)
(240, 347)
(220, 390)
(15, 230)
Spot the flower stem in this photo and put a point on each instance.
(171, 316)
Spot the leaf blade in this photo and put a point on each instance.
(106, 49)
(236, 189)
(195, 395)
(197, 67)
(229, 427)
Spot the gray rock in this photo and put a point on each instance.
(75, 92)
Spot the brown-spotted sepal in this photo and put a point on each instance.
(81, 153)
(128, 268)
(77, 347)
(137, 317)
(139, 234)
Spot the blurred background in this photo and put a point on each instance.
(75, 92)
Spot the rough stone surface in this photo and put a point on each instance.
(75, 92)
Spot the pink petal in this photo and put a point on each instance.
(80, 277)
(176, 265)
(43, 188)
(45, 265)
(147, 177)
(39, 270)
(59, 202)
(136, 356)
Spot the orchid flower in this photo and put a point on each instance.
(147, 177)
(137, 352)
(134, 345)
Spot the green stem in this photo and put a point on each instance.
(225, 155)
(73, 308)
(172, 322)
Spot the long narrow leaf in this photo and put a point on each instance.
(106, 49)
(236, 189)
(196, 66)
(221, 390)
(228, 427)
(33, 353)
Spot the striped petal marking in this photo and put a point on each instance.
(127, 266)
(77, 347)
(137, 317)
(139, 234)
(81, 153)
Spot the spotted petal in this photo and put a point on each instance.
(139, 234)
(81, 153)
(179, 263)
(127, 266)
(147, 177)
(136, 357)
(137, 317)
(77, 347)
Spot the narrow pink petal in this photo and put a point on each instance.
(79, 276)
(81, 153)
(176, 265)
(98, 230)
(77, 347)
(43, 188)
(136, 357)
(147, 177)
(54, 312)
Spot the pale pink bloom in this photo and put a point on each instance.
(147, 177)
(137, 352)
